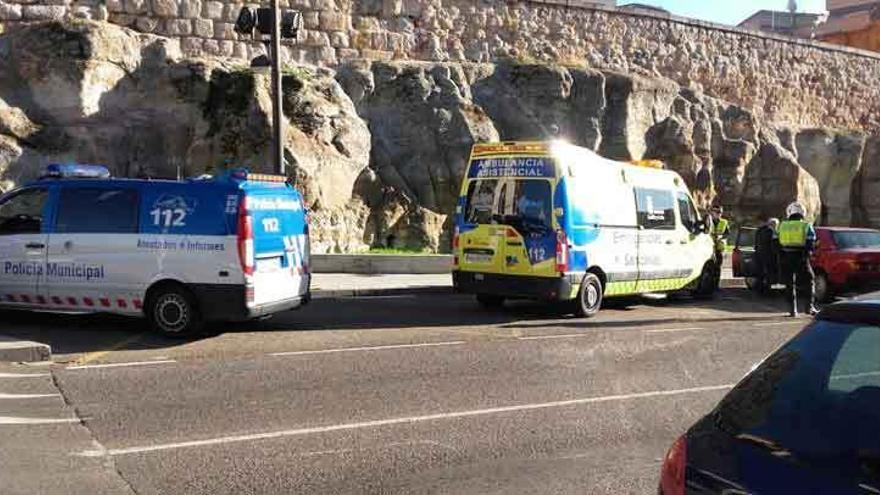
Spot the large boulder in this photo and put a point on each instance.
(773, 180)
(98, 93)
(634, 104)
(834, 159)
(423, 123)
(539, 102)
(866, 187)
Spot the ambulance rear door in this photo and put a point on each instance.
(508, 226)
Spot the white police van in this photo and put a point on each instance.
(179, 252)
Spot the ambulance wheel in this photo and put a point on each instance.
(489, 301)
(172, 311)
(706, 286)
(589, 298)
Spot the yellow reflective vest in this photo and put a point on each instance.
(720, 230)
(793, 233)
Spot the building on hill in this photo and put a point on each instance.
(854, 23)
(797, 24)
(642, 8)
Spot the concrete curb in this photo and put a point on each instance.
(395, 291)
(23, 351)
(372, 264)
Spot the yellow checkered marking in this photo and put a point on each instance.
(660, 285)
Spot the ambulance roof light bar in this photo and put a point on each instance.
(648, 164)
(75, 171)
(243, 174)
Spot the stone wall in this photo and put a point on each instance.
(793, 82)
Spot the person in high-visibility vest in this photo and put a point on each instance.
(797, 238)
(720, 233)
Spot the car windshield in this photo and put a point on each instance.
(817, 397)
(522, 203)
(746, 237)
(857, 239)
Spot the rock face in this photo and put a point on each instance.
(866, 187)
(379, 149)
(835, 159)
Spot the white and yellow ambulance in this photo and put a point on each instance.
(556, 222)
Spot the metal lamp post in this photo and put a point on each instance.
(276, 24)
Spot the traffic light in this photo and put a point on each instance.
(291, 23)
(260, 19)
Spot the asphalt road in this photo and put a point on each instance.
(413, 394)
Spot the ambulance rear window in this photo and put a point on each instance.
(509, 199)
(97, 210)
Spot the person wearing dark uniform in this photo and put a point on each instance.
(766, 255)
(720, 232)
(797, 238)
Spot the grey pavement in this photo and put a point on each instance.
(37, 430)
(400, 394)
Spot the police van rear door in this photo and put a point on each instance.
(280, 241)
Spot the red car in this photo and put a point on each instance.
(846, 259)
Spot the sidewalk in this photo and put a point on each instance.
(334, 285)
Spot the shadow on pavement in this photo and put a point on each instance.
(78, 333)
(70, 334)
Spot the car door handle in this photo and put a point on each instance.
(35, 245)
(682, 242)
(669, 242)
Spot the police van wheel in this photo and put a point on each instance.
(489, 301)
(172, 311)
(589, 298)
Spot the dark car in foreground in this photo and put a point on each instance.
(806, 420)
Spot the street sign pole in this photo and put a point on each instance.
(277, 118)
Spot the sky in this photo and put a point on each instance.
(727, 11)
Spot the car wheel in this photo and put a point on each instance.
(752, 283)
(823, 289)
(172, 311)
(490, 301)
(706, 286)
(589, 298)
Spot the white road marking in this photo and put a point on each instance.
(395, 421)
(673, 330)
(587, 333)
(558, 336)
(27, 396)
(119, 365)
(23, 375)
(368, 348)
(11, 420)
(779, 323)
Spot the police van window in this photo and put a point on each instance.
(97, 210)
(656, 209)
(687, 210)
(22, 213)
